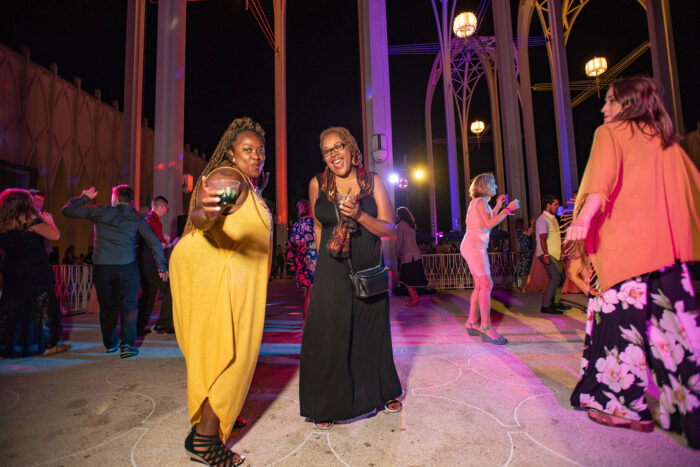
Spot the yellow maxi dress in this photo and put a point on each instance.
(219, 287)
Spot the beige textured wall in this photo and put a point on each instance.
(72, 138)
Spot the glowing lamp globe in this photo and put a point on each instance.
(477, 127)
(419, 174)
(596, 67)
(393, 179)
(464, 24)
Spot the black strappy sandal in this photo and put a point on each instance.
(214, 451)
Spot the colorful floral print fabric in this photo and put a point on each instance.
(301, 251)
(651, 322)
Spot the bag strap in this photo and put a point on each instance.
(381, 257)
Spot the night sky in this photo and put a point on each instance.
(230, 73)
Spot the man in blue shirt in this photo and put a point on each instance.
(114, 272)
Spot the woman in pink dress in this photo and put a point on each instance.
(480, 220)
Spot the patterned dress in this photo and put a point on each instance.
(525, 256)
(301, 251)
(650, 321)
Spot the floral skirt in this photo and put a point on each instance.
(648, 321)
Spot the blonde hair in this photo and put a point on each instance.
(479, 187)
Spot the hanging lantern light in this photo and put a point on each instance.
(477, 127)
(596, 67)
(464, 24)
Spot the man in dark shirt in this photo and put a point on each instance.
(150, 282)
(115, 273)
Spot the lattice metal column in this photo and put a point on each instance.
(443, 20)
(562, 102)
(532, 169)
(663, 58)
(510, 109)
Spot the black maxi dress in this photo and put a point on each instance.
(347, 365)
(30, 317)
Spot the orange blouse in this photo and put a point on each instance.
(650, 195)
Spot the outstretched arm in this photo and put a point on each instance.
(491, 219)
(75, 207)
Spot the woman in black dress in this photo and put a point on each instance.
(30, 318)
(347, 366)
(408, 254)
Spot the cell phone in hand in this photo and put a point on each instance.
(506, 199)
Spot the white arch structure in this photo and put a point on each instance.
(472, 59)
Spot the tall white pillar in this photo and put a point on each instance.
(170, 109)
(510, 108)
(133, 85)
(562, 102)
(443, 20)
(376, 99)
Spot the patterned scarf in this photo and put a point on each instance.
(338, 245)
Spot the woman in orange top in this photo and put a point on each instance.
(640, 190)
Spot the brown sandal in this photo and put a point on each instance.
(603, 418)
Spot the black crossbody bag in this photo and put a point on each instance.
(368, 282)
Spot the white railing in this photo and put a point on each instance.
(73, 284)
(450, 271)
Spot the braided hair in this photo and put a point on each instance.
(221, 157)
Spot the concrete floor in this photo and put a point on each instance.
(465, 402)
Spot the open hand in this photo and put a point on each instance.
(210, 199)
(90, 192)
(513, 205)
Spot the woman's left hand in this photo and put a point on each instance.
(578, 230)
(350, 207)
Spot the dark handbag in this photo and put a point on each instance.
(369, 282)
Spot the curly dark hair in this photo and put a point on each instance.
(221, 157)
(16, 209)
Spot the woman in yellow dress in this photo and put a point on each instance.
(219, 273)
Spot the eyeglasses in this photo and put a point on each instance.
(337, 147)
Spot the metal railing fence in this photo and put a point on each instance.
(73, 284)
(450, 271)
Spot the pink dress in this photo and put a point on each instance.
(476, 241)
